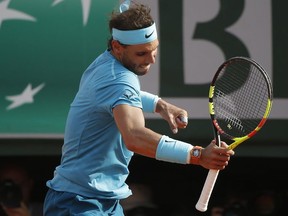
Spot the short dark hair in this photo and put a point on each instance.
(136, 17)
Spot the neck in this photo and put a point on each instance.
(114, 54)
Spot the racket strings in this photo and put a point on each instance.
(240, 98)
(227, 110)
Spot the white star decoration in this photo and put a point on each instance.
(25, 97)
(86, 5)
(8, 14)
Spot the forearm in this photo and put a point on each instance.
(161, 106)
(148, 143)
(167, 149)
(142, 141)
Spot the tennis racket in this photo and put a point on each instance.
(240, 100)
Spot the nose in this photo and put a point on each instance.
(151, 59)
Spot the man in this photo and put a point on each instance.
(106, 126)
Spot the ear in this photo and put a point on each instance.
(116, 46)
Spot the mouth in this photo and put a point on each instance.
(146, 67)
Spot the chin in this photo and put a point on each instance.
(142, 73)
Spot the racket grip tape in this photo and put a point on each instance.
(204, 198)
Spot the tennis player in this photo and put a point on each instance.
(106, 125)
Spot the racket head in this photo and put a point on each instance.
(240, 98)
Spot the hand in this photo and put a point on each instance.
(21, 211)
(173, 115)
(215, 157)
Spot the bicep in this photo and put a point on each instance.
(129, 120)
(131, 124)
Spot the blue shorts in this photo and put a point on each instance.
(68, 204)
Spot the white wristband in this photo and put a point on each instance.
(172, 150)
(149, 101)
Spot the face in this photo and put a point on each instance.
(19, 177)
(137, 58)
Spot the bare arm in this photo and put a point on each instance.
(141, 140)
(131, 123)
(213, 157)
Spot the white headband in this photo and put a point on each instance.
(133, 37)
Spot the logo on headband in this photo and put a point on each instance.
(137, 36)
(149, 35)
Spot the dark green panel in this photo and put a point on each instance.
(199, 129)
(280, 48)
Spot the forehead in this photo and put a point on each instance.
(147, 47)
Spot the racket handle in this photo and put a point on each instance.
(203, 201)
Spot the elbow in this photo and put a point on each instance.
(132, 140)
(130, 143)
